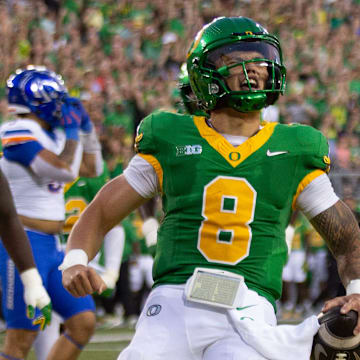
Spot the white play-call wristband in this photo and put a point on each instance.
(74, 257)
(353, 287)
(31, 277)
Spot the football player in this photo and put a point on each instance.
(42, 151)
(229, 184)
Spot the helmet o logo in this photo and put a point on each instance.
(249, 33)
(153, 310)
(234, 156)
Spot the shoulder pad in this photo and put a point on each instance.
(155, 129)
(18, 132)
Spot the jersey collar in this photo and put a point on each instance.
(234, 155)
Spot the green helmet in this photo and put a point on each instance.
(208, 75)
(188, 99)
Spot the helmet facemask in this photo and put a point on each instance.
(246, 75)
(210, 76)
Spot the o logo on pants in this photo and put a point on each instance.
(153, 310)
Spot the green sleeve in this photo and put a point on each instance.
(144, 141)
(314, 149)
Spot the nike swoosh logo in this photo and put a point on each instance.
(274, 153)
(245, 307)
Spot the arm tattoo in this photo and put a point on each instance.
(339, 228)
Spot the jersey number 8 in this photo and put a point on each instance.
(228, 210)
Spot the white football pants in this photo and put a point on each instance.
(171, 327)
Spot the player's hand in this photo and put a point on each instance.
(35, 296)
(347, 303)
(78, 111)
(71, 118)
(70, 121)
(80, 280)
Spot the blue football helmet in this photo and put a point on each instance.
(39, 91)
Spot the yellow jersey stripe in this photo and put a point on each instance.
(156, 165)
(304, 182)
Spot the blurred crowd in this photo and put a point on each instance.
(122, 59)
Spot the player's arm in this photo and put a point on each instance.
(82, 150)
(114, 202)
(336, 223)
(92, 161)
(338, 226)
(11, 231)
(29, 152)
(63, 167)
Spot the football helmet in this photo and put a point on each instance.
(335, 339)
(36, 90)
(229, 38)
(188, 98)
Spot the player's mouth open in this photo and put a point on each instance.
(245, 85)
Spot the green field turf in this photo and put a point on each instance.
(104, 345)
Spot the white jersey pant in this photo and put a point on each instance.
(140, 272)
(171, 327)
(294, 268)
(318, 266)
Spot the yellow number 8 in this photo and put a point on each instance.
(228, 210)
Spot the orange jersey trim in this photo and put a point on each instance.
(17, 139)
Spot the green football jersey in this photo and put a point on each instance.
(78, 194)
(227, 207)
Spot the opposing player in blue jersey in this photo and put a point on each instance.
(44, 147)
(15, 241)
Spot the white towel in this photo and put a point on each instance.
(281, 342)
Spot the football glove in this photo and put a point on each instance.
(80, 113)
(70, 121)
(35, 296)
